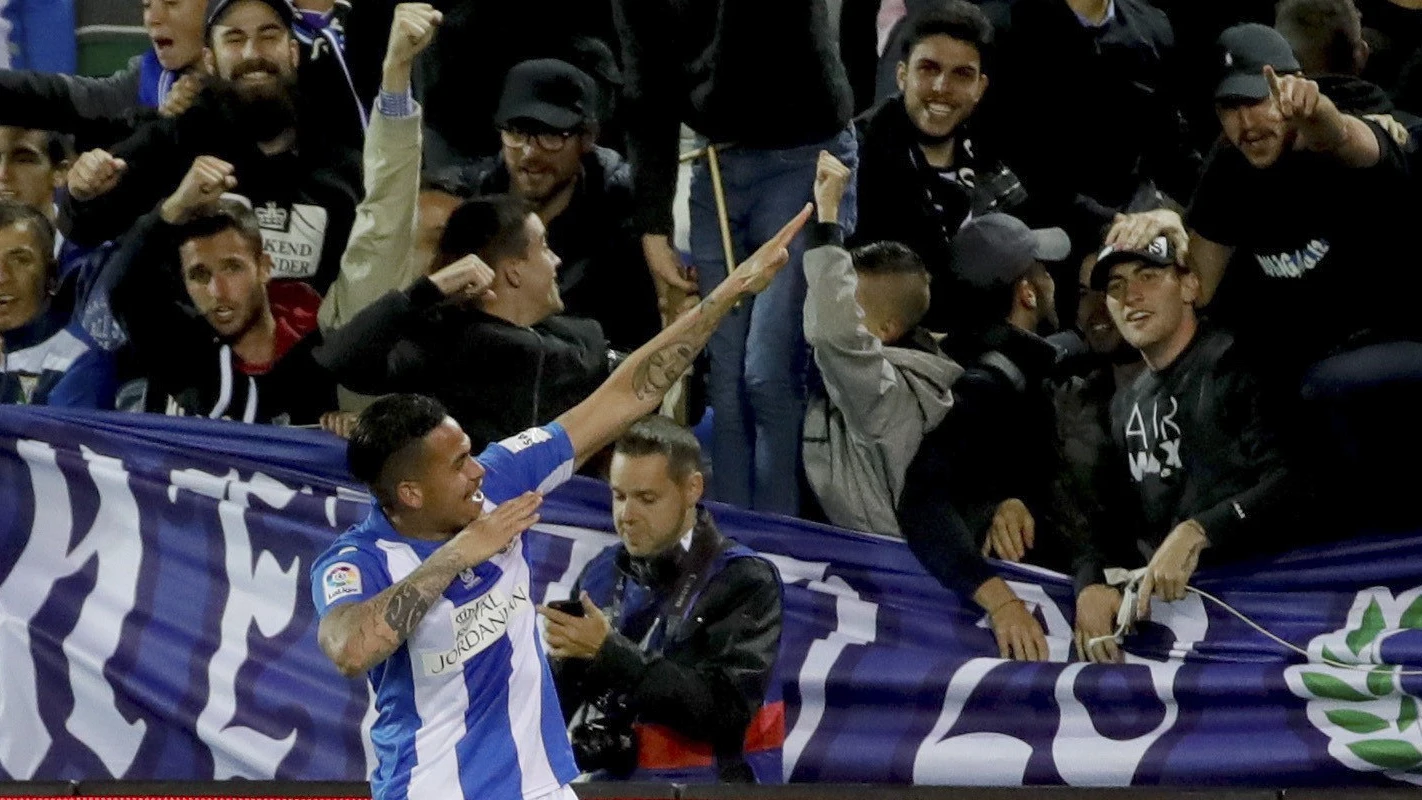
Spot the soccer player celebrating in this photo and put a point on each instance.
(430, 595)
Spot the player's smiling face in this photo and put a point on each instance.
(451, 485)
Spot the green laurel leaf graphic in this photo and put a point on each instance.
(1407, 716)
(1357, 721)
(1369, 630)
(1330, 688)
(1412, 617)
(1329, 655)
(1380, 681)
(1387, 753)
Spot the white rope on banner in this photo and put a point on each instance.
(1130, 585)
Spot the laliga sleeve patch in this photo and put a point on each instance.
(340, 580)
(522, 441)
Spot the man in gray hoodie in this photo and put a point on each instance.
(886, 383)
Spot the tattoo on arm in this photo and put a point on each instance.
(405, 609)
(657, 373)
(654, 375)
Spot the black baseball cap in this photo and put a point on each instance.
(216, 9)
(1159, 253)
(1243, 52)
(997, 249)
(550, 92)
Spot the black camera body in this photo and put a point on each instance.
(606, 743)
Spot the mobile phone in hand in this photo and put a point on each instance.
(573, 608)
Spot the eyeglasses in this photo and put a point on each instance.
(550, 142)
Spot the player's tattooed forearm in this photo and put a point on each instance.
(405, 610)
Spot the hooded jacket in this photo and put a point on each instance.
(192, 371)
(97, 111)
(878, 401)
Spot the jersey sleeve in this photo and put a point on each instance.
(346, 575)
(536, 460)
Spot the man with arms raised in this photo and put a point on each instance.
(430, 595)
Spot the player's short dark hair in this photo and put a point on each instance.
(956, 19)
(490, 227)
(388, 431)
(657, 435)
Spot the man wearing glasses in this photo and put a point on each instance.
(547, 120)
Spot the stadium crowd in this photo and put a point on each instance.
(1088, 283)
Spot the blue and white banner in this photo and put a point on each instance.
(155, 623)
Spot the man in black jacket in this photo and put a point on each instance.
(767, 78)
(920, 174)
(983, 481)
(304, 188)
(674, 631)
(1203, 461)
(547, 120)
(216, 337)
(500, 362)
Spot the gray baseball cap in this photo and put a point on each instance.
(997, 249)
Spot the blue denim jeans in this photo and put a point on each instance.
(759, 358)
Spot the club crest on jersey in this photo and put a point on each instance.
(340, 580)
(477, 626)
(469, 579)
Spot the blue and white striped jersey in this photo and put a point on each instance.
(467, 707)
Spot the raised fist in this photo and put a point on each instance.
(95, 173)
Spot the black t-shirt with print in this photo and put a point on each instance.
(1320, 254)
(1196, 445)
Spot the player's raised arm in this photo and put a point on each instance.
(636, 388)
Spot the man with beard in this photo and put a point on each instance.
(215, 337)
(1300, 208)
(547, 121)
(984, 481)
(165, 80)
(302, 187)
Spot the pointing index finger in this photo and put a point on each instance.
(1275, 90)
(782, 239)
